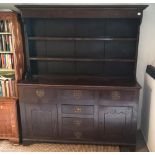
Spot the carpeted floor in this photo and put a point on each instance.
(6, 146)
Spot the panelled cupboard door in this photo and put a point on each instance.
(8, 127)
(115, 123)
(5, 121)
(38, 113)
(41, 122)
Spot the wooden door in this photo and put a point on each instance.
(41, 121)
(8, 120)
(5, 127)
(115, 123)
(38, 113)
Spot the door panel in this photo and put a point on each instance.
(41, 122)
(115, 123)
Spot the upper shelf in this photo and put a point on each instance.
(80, 38)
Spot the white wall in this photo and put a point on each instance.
(146, 50)
(148, 112)
(8, 6)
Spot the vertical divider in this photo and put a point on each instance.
(104, 27)
(45, 32)
(75, 46)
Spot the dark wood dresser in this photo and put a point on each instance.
(80, 83)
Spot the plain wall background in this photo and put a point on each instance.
(146, 49)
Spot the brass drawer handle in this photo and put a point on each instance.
(77, 122)
(77, 94)
(77, 134)
(77, 109)
(40, 93)
(115, 95)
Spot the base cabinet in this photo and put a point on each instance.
(78, 116)
(8, 120)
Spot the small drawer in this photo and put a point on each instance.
(117, 95)
(81, 123)
(77, 134)
(77, 109)
(33, 95)
(78, 95)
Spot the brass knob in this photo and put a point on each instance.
(40, 93)
(115, 95)
(77, 109)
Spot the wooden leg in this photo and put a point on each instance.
(15, 141)
(26, 143)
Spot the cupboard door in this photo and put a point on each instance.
(115, 123)
(8, 120)
(5, 121)
(41, 121)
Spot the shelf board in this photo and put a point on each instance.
(6, 52)
(80, 38)
(76, 79)
(79, 59)
(77, 76)
(5, 33)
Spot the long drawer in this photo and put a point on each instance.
(41, 94)
(78, 95)
(118, 95)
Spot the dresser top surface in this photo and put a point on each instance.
(81, 6)
(84, 83)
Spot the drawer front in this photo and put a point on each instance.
(78, 134)
(77, 109)
(77, 95)
(117, 95)
(78, 123)
(33, 95)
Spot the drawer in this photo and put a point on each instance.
(117, 95)
(80, 123)
(40, 93)
(77, 109)
(77, 95)
(78, 134)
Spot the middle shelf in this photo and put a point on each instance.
(81, 38)
(79, 59)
